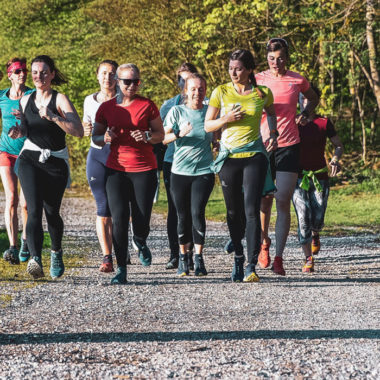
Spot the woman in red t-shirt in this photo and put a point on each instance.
(131, 124)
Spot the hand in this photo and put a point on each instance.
(87, 127)
(301, 119)
(15, 132)
(215, 146)
(334, 167)
(110, 135)
(271, 143)
(138, 135)
(46, 113)
(186, 130)
(16, 113)
(235, 114)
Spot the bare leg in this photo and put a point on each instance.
(104, 232)
(265, 213)
(306, 248)
(198, 249)
(185, 248)
(24, 213)
(9, 180)
(285, 183)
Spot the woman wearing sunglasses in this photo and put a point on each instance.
(46, 117)
(97, 158)
(9, 151)
(131, 123)
(286, 86)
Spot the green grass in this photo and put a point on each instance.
(351, 208)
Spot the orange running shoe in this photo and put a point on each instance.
(309, 265)
(107, 265)
(315, 244)
(264, 258)
(278, 267)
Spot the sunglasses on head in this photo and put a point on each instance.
(128, 82)
(280, 40)
(18, 71)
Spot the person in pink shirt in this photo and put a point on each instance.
(286, 86)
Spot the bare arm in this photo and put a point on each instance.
(19, 130)
(68, 118)
(334, 163)
(102, 136)
(212, 123)
(170, 136)
(271, 143)
(157, 132)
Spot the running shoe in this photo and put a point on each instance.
(200, 269)
(229, 247)
(34, 267)
(143, 252)
(250, 274)
(190, 260)
(129, 262)
(183, 266)
(121, 276)
(277, 266)
(172, 263)
(264, 257)
(107, 264)
(237, 274)
(11, 255)
(134, 245)
(24, 253)
(309, 265)
(57, 268)
(315, 244)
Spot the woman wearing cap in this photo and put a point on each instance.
(97, 158)
(131, 123)
(286, 86)
(46, 117)
(242, 162)
(9, 151)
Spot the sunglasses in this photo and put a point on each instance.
(280, 40)
(18, 71)
(128, 82)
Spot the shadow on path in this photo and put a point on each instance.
(125, 337)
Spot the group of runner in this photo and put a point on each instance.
(252, 121)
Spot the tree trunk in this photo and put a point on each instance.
(322, 67)
(352, 93)
(370, 17)
(361, 116)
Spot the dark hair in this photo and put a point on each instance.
(108, 62)
(192, 76)
(315, 89)
(275, 44)
(246, 58)
(59, 78)
(13, 60)
(186, 66)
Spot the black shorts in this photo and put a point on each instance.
(285, 159)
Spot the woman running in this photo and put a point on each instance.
(312, 190)
(172, 221)
(192, 179)
(131, 123)
(43, 162)
(286, 86)
(97, 158)
(9, 151)
(242, 162)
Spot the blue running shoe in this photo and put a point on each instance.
(183, 266)
(57, 268)
(250, 274)
(200, 269)
(11, 255)
(34, 267)
(237, 274)
(229, 247)
(24, 254)
(143, 252)
(121, 276)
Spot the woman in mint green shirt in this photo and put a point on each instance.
(192, 179)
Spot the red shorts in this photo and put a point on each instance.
(7, 159)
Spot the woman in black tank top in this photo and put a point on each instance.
(43, 171)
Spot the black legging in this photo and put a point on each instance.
(172, 220)
(125, 190)
(242, 182)
(190, 195)
(43, 185)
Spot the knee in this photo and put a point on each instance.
(266, 203)
(12, 200)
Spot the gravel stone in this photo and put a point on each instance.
(321, 325)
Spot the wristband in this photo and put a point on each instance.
(305, 114)
(176, 133)
(148, 136)
(274, 132)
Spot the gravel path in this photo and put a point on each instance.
(324, 325)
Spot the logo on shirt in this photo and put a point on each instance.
(92, 179)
